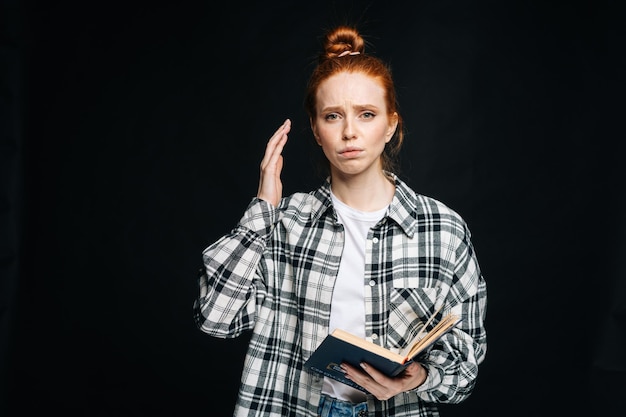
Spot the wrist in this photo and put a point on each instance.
(424, 373)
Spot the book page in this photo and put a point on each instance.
(365, 344)
(425, 338)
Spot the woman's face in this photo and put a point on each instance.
(352, 125)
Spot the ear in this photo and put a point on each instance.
(314, 130)
(393, 124)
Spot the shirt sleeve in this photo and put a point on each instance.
(230, 281)
(453, 361)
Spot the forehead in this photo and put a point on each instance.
(355, 88)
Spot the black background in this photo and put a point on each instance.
(133, 134)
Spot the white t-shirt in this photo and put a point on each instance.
(348, 305)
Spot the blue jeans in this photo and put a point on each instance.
(332, 407)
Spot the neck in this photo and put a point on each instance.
(365, 194)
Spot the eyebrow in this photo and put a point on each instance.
(359, 107)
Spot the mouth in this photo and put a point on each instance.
(350, 152)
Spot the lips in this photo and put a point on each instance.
(350, 152)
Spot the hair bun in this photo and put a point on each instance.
(341, 41)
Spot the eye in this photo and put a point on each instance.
(331, 116)
(368, 115)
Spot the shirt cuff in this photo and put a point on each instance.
(433, 379)
(260, 217)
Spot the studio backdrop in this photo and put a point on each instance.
(132, 135)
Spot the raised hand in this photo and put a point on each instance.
(270, 186)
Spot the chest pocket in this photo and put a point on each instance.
(409, 309)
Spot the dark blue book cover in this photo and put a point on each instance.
(333, 351)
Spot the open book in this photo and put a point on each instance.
(342, 346)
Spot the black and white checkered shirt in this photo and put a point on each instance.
(274, 274)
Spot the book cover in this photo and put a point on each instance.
(333, 351)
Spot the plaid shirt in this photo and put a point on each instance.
(274, 274)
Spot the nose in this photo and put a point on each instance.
(348, 131)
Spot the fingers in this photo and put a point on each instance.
(270, 185)
(275, 145)
(366, 376)
(377, 383)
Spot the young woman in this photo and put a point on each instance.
(363, 252)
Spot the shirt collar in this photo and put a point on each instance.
(402, 210)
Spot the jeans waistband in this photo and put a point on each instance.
(332, 407)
